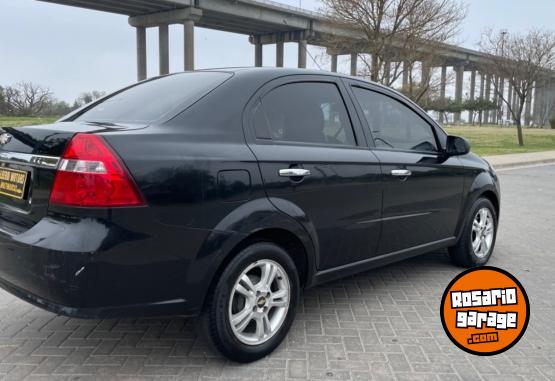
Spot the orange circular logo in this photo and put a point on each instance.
(485, 311)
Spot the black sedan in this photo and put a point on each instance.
(224, 193)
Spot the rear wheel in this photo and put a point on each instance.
(477, 241)
(253, 304)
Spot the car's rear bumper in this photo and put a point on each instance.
(88, 278)
(167, 308)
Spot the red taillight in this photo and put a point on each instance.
(91, 175)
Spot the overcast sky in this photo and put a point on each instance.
(71, 50)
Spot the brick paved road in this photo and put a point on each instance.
(381, 324)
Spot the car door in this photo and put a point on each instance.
(422, 187)
(316, 165)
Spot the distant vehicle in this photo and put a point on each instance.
(226, 192)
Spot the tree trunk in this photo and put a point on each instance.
(519, 120)
(519, 133)
(375, 69)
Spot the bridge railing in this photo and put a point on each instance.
(292, 8)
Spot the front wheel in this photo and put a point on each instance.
(253, 304)
(477, 241)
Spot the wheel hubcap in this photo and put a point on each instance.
(483, 229)
(259, 302)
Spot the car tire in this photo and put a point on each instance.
(477, 240)
(249, 313)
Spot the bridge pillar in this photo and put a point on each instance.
(426, 73)
(442, 86)
(539, 102)
(528, 110)
(406, 72)
(487, 96)
(501, 91)
(354, 64)
(550, 100)
(387, 72)
(482, 88)
(164, 49)
(189, 45)
(509, 100)
(141, 53)
(334, 63)
(495, 99)
(302, 54)
(162, 20)
(472, 94)
(458, 90)
(537, 109)
(279, 39)
(516, 100)
(258, 54)
(425, 77)
(279, 54)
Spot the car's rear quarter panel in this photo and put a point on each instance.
(194, 172)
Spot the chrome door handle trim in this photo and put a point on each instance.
(294, 172)
(401, 172)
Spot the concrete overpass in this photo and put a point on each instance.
(269, 22)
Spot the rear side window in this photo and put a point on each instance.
(152, 100)
(307, 112)
(393, 124)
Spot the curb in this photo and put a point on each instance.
(530, 163)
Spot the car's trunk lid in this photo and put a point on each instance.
(29, 158)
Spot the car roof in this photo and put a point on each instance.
(275, 70)
(269, 73)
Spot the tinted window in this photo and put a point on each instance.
(308, 112)
(393, 124)
(152, 100)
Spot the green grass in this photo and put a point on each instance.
(16, 121)
(494, 140)
(484, 140)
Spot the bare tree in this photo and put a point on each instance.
(3, 106)
(524, 60)
(397, 34)
(88, 97)
(26, 98)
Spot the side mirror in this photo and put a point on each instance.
(457, 146)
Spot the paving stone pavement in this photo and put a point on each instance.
(378, 325)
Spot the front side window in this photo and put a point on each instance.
(307, 112)
(393, 124)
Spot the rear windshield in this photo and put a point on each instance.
(152, 100)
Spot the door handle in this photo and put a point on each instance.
(401, 173)
(294, 172)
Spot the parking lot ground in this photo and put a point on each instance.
(379, 325)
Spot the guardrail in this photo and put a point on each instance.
(293, 9)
